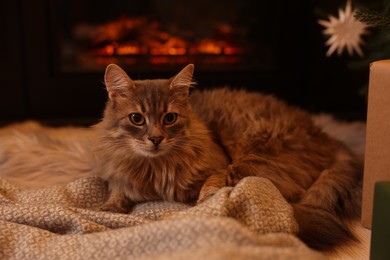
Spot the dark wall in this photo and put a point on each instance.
(12, 77)
(33, 86)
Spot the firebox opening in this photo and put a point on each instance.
(151, 35)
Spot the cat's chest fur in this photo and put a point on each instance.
(156, 179)
(177, 175)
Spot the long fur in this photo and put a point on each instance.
(317, 174)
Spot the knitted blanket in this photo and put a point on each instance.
(249, 221)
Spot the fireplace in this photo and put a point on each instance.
(54, 52)
(153, 35)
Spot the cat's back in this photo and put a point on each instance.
(245, 109)
(229, 99)
(242, 120)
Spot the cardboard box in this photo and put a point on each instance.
(377, 150)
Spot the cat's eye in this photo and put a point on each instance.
(170, 118)
(137, 119)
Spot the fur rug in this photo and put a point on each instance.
(65, 151)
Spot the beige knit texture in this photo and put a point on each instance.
(249, 221)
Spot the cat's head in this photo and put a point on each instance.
(148, 116)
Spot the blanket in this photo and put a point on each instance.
(250, 221)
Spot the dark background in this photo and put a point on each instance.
(33, 86)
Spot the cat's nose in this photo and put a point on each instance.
(156, 140)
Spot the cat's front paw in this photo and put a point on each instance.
(234, 175)
(112, 207)
(206, 193)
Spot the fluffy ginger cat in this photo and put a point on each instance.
(152, 145)
(160, 142)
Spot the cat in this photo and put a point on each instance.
(152, 145)
(158, 141)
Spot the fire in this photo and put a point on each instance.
(209, 46)
(173, 46)
(128, 49)
(135, 37)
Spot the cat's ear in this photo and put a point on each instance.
(117, 82)
(183, 78)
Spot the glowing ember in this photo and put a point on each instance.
(210, 46)
(173, 46)
(128, 49)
